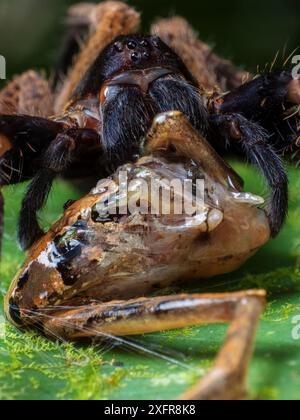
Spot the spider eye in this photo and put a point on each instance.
(131, 45)
(118, 47)
(144, 43)
(156, 42)
(135, 56)
(69, 245)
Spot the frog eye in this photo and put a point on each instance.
(100, 213)
(67, 250)
(100, 217)
(68, 246)
(80, 226)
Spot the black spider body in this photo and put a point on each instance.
(133, 79)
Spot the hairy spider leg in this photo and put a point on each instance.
(99, 25)
(209, 69)
(55, 160)
(253, 141)
(270, 101)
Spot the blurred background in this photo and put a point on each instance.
(249, 32)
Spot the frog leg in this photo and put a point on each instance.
(226, 379)
(92, 28)
(209, 70)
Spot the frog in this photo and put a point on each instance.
(98, 271)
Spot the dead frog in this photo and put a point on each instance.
(89, 275)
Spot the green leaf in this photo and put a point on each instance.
(32, 367)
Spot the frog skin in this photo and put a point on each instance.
(93, 273)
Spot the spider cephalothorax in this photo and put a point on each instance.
(112, 95)
(132, 80)
(94, 117)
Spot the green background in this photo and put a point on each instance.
(249, 31)
(32, 367)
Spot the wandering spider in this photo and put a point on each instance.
(109, 97)
(93, 117)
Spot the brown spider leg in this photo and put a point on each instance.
(227, 378)
(210, 70)
(27, 94)
(106, 20)
(79, 27)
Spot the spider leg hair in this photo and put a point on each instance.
(262, 96)
(252, 140)
(126, 118)
(25, 138)
(175, 93)
(57, 158)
